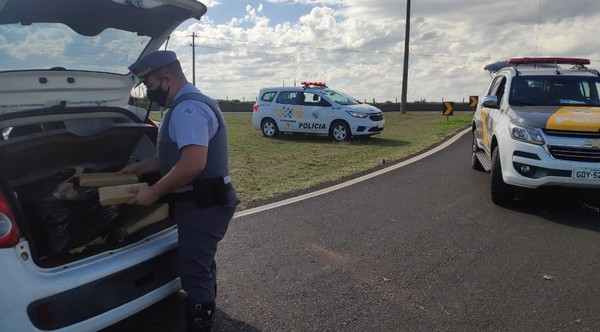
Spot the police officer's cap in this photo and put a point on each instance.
(151, 63)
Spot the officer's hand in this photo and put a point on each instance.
(130, 169)
(144, 196)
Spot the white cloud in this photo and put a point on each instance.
(211, 3)
(358, 46)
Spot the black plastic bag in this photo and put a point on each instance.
(73, 222)
(63, 218)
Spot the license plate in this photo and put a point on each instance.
(380, 125)
(586, 173)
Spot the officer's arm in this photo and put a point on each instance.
(191, 162)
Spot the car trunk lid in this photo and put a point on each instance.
(76, 53)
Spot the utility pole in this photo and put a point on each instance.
(193, 58)
(405, 68)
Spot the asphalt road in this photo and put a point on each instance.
(421, 248)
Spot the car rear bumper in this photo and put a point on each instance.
(92, 295)
(74, 306)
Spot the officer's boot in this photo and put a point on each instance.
(198, 317)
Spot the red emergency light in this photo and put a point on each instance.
(570, 61)
(308, 83)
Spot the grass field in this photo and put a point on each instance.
(264, 168)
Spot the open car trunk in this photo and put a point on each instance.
(42, 154)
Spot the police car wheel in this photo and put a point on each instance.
(475, 163)
(502, 193)
(340, 132)
(269, 128)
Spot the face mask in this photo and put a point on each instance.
(158, 95)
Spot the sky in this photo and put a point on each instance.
(357, 47)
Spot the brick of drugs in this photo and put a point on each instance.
(117, 194)
(106, 179)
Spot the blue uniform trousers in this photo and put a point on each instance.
(200, 230)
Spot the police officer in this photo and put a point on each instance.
(193, 163)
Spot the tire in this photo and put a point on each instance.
(269, 128)
(340, 131)
(475, 163)
(502, 193)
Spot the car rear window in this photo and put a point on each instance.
(268, 96)
(55, 46)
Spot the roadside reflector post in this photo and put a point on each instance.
(448, 109)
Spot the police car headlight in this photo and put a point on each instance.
(527, 134)
(358, 114)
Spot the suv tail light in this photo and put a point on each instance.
(255, 107)
(9, 232)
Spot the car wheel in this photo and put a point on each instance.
(340, 131)
(502, 193)
(269, 128)
(475, 163)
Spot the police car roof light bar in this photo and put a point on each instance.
(309, 83)
(570, 61)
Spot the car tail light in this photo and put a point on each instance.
(255, 107)
(43, 315)
(9, 232)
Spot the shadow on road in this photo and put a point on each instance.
(224, 323)
(357, 140)
(575, 208)
(167, 316)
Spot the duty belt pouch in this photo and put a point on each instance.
(210, 192)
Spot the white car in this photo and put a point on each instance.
(538, 125)
(69, 263)
(316, 109)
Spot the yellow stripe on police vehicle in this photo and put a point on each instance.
(575, 118)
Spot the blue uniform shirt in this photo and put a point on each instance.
(192, 122)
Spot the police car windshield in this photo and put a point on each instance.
(554, 90)
(340, 98)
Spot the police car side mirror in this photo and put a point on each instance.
(490, 102)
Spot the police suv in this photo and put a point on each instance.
(538, 125)
(314, 108)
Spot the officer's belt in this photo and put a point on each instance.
(187, 195)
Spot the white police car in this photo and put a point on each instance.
(64, 91)
(314, 108)
(538, 125)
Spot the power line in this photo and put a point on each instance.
(304, 47)
(323, 60)
(281, 55)
(333, 50)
